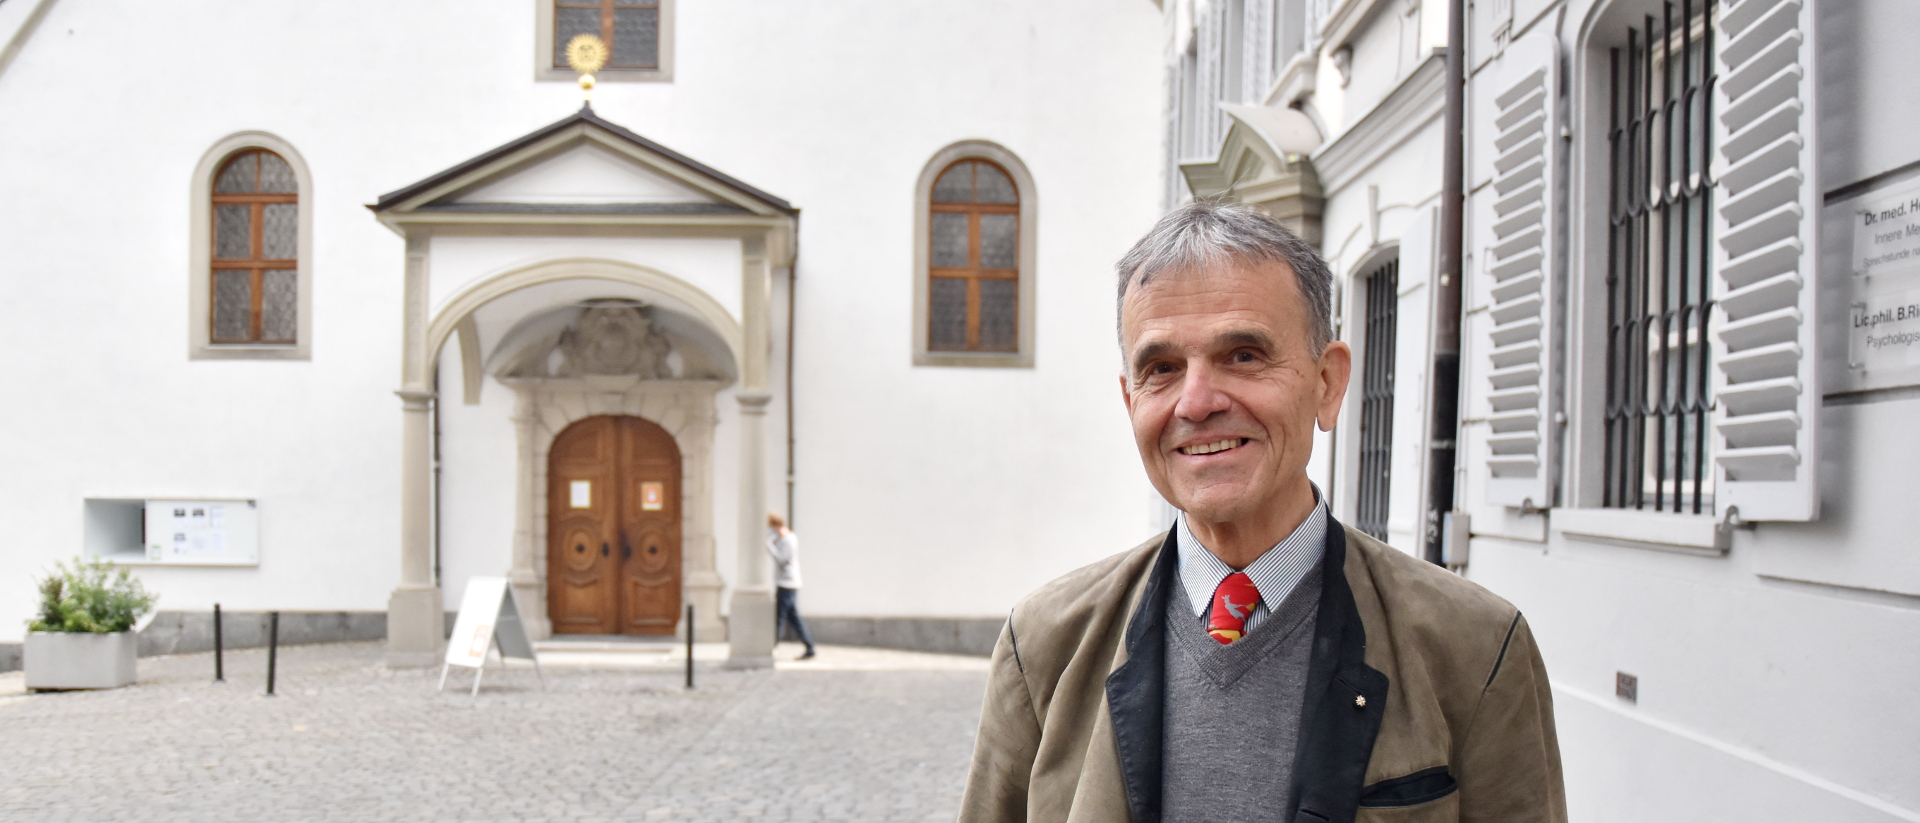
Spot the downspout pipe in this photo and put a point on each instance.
(793, 298)
(1443, 423)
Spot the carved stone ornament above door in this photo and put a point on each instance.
(601, 340)
(614, 341)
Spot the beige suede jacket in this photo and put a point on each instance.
(1426, 699)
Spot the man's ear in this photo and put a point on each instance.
(1126, 397)
(1336, 367)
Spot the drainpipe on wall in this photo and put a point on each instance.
(1443, 424)
(793, 298)
(435, 525)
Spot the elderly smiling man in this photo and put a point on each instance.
(1261, 661)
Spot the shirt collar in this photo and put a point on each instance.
(1275, 573)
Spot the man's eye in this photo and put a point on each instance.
(1244, 357)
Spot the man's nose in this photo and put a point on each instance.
(1200, 395)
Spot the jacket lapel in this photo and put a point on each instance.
(1135, 692)
(1340, 716)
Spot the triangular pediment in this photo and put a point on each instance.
(585, 173)
(582, 164)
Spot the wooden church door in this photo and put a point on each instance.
(613, 526)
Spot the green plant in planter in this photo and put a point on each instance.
(90, 596)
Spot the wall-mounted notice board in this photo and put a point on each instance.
(203, 532)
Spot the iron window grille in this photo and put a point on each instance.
(1659, 282)
(1376, 399)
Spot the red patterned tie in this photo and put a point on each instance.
(1233, 603)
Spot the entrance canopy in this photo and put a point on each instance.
(581, 249)
(580, 212)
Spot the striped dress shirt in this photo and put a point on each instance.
(1275, 573)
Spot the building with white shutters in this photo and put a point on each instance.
(1687, 357)
(1687, 394)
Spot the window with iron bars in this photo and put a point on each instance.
(1376, 399)
(1659, 283)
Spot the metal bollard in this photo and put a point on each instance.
(689, 646)
(219, 660)
(273, 648)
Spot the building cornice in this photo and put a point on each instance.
(1347, 15)
(1296, 79)
(1417, 101)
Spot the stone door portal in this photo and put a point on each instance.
(613, 545)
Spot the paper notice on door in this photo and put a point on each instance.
(653, 495)
(580, 494)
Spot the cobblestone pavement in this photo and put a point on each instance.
(859, 735)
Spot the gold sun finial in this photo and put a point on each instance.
(586, 53)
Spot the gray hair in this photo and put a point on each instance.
(1207, 232)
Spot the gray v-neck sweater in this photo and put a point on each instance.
(1233, 712)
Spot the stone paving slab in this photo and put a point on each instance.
(857, 734)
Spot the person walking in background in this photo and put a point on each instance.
(784, 545)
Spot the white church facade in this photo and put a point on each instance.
(380, 306)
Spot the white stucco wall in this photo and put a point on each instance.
(1370, 215)
(983, 482)
(1770, 679)
(1016, 475)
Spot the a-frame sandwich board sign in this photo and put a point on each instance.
(488, 615)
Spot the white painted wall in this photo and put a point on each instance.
(1773, 679)
(984, 483)
(1404, 180)
(953, 491)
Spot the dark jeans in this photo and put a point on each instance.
(786, 611)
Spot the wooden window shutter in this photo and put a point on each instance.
(1516, 256)
(1765, 201)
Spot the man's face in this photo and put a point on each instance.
(1224, 390)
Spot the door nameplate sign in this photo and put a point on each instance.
(580, 494)
(653, 496)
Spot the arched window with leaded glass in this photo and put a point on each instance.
(977, 250)
(251, 280)
(975, 260)
(256, 250)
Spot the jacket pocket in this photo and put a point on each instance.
(1444, 810)
(1418, 788)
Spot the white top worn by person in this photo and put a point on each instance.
(784, 545)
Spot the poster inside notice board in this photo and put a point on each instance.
(203, 532)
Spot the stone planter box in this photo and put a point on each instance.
(79, 660)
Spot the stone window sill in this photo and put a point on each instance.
(984, 360)
(1699, 534)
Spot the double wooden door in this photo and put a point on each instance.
(613, 526)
